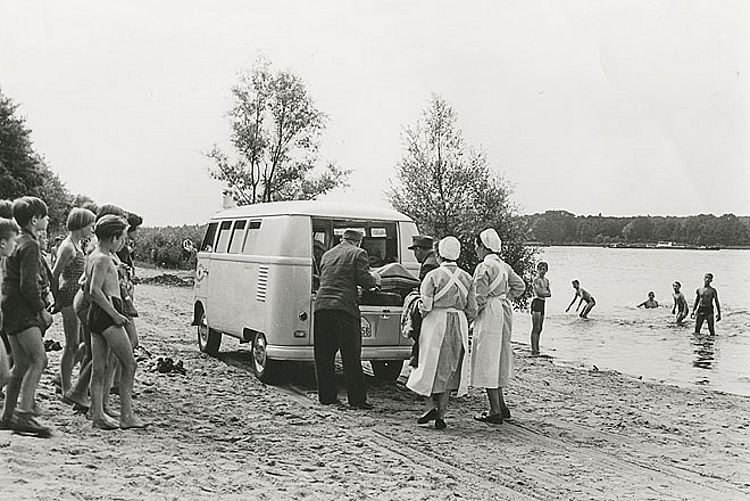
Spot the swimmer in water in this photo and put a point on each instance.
(585, 296)
(705, 297)
(680, 308)
(650, 302)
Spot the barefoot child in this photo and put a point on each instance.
(68, 270)
(8, 234)
(541, 293)
(106, 322)
(705, 297)
(25, 318)
(680, 304)
(585, 296)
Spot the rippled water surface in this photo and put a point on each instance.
(642, 342)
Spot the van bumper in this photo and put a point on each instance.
(306, 353)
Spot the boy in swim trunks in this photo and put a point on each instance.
(703, 308)
(680, 304)
(541, 293)
(585, 296)
(106, 322)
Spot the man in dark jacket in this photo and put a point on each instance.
(425, 254)
(337, 319)
(424, 251)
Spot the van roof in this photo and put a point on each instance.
(313, 208)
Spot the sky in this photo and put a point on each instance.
(615, 107)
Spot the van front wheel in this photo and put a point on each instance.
(262, 367)
(387, 370)
(209, 340)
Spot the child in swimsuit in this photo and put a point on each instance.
(106, 321)
(650, 302)
(703, 308)
(680, 303)
(585, 296)
(541, 293)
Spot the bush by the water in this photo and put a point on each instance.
(162, 246)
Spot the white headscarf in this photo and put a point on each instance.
(491, 239)
(449, 248)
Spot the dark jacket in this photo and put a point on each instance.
(342, 269)
(430, 263)
(23, 274)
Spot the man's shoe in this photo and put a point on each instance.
(428, 416)
(331, 402)
(365, 406)
(440, 424)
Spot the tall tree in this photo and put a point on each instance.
(276, 129)
(449, 188)
(23, 171)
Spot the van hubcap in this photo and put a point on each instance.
(203, 330)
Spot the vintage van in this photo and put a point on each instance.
(256, 280)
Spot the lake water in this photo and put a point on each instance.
(643, 342)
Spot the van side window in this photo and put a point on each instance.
(224, 233)
(208, 239)
(251, 235)
(238, 234)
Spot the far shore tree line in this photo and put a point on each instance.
(557, 227)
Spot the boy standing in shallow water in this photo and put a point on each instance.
(585, 296)
(106, 322)
(705, 297)
(680, 304)
(541, 293)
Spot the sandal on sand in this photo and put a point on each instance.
(486, 417)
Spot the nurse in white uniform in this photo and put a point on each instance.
(448, 304)
(495, 284)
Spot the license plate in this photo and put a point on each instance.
(365, 328)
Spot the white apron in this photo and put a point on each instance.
(431, 337)
(492, 353)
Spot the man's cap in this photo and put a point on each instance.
(422, 241)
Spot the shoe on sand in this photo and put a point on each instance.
(486, 417)
(428, 416)
(26, 424)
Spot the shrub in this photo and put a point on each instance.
(162, 246)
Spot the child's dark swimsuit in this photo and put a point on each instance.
(537, 305)
(98, 319)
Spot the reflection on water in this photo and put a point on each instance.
(704, 351)
(648, 343)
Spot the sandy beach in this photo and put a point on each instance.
(219, 433)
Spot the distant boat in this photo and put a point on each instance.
(662, 245)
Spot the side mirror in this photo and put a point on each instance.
(189, 246)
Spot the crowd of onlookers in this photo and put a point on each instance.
(86, 277)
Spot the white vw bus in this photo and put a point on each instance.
(256, 279)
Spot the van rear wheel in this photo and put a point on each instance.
(263, 368)
(387, 370)
(209, 340)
